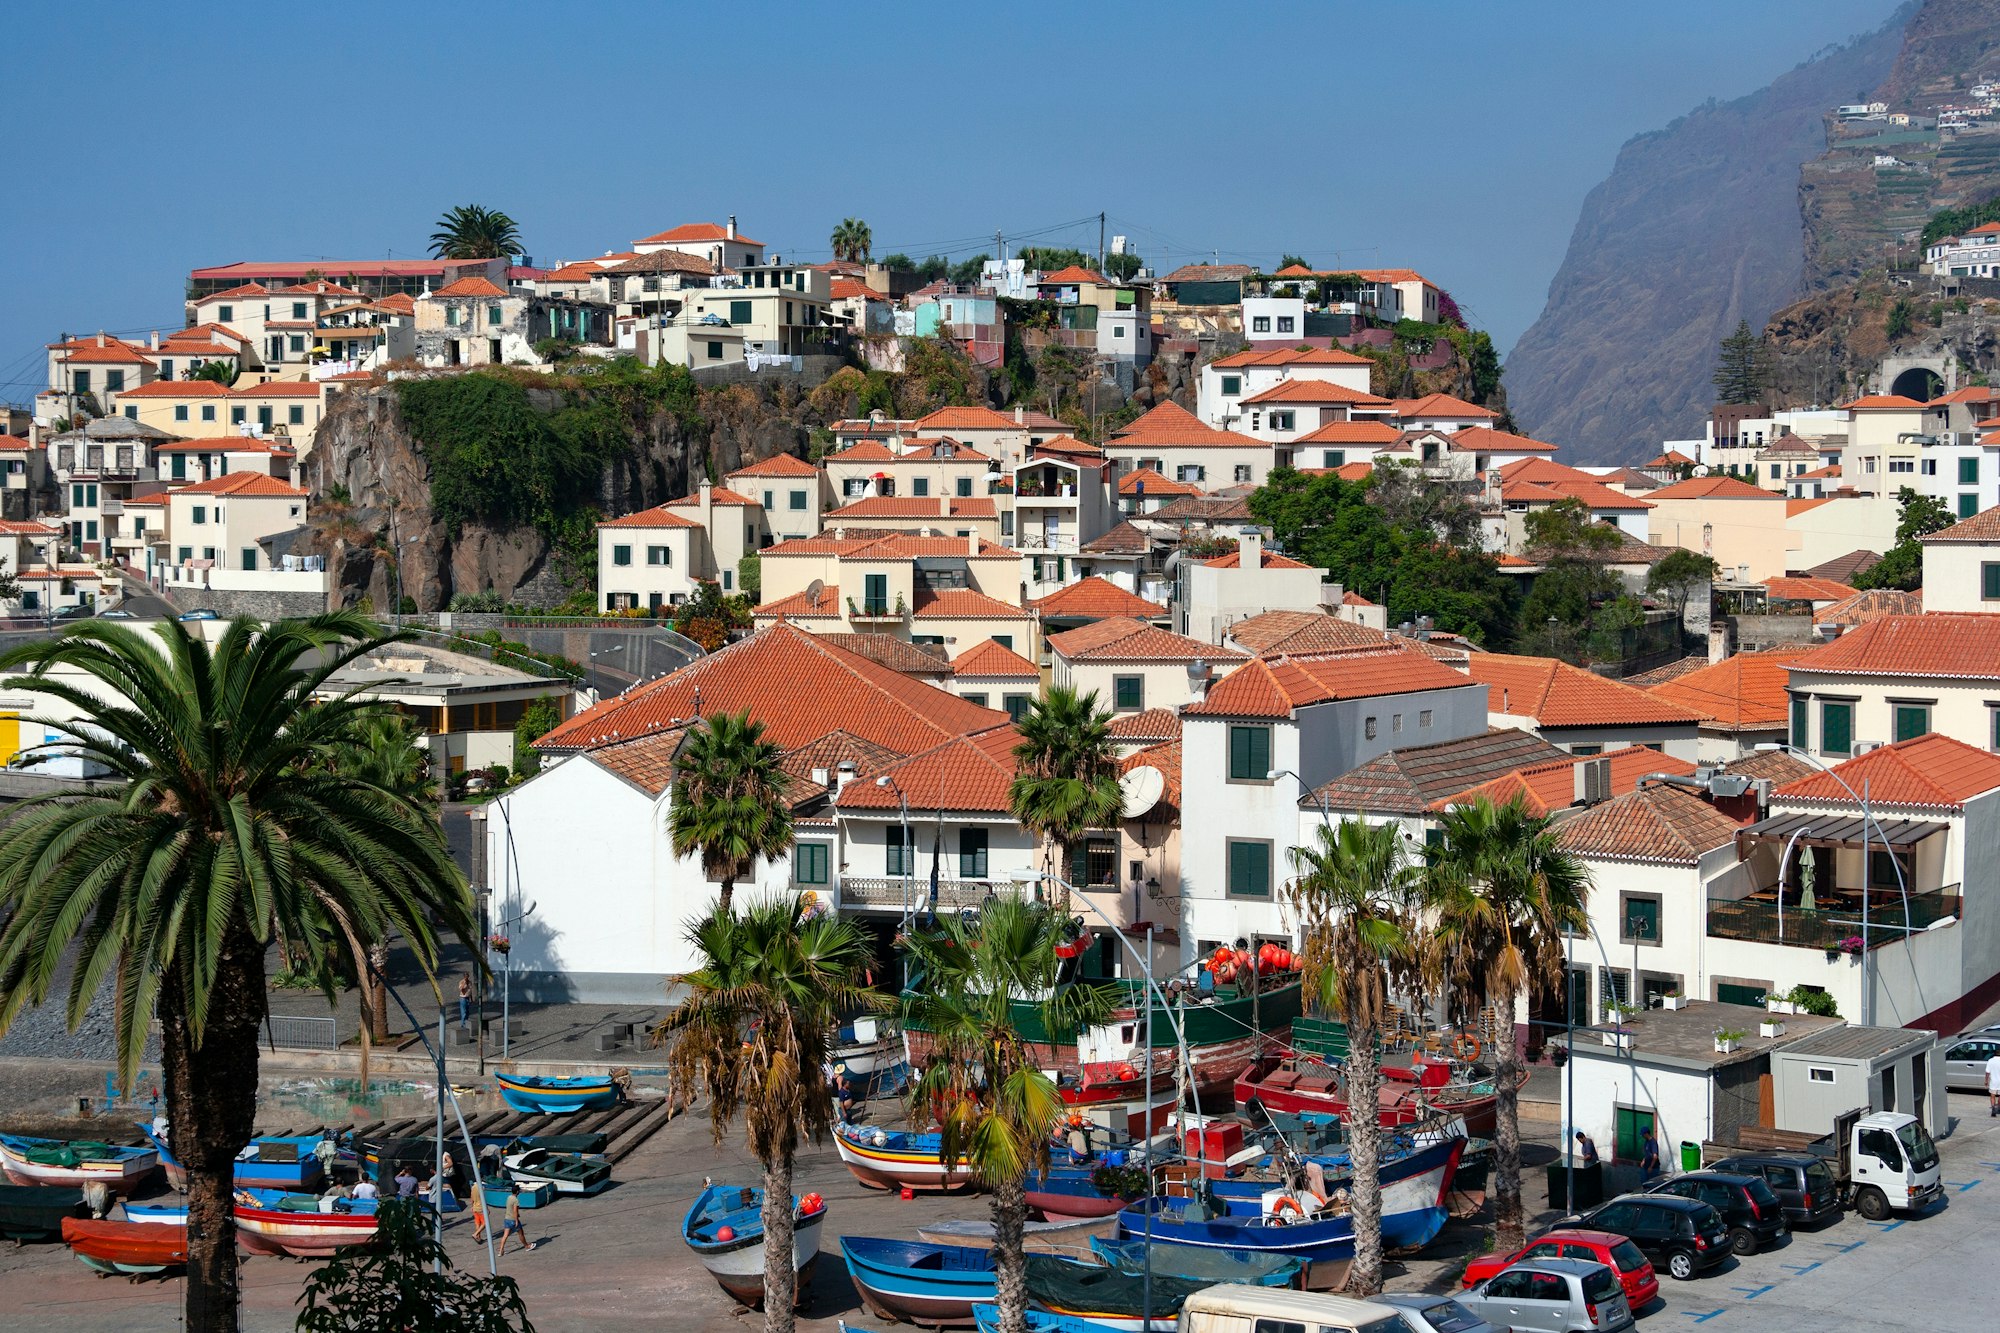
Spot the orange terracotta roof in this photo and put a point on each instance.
(720, 495)
(656, 517)
(1274, 632)
(1445, 406)
(914, 451)
(1275, 686)
(1312, 391)
(1353, 432)
(1125, 539)
(400, 302)
(1982, 529)
(1883, 402)
(1556, 694)
(991, 658)
(911, 506)
(205, 333)
(156, 498)
(15, 444)
(16, 527)
(1486, 439)
(1671, 458)
(1346, 471)
(86, 352)
(1071, 276)
(1830, 470)
(1393, 275)
(695, 231)
(1870, 605)
(176, 389)
(1930, 772)
(1543, 471)
(583, 270)
(1122, 639)
(1971, 393)
(1799, 589)
(1296, 271)
(794, 683)
(884, 546)
(965, 604)
(1551, 786)
(847, 289)
(967, 418)
(234, 293)
(242, 483)
(1741, 693)
(1268, 560)
(277, 389)
(1096, 597)
(468, 287)
(1070, 447)
(972, 773)
(1155, 483)
(778, 465)
(1796, 507)
(1596, 495)
(1291, 356)
(1529, 492)
(1659, 824)
(826, 606)
(1937, 643)
(1713, 488)
(1154, 724)
(1171, 426)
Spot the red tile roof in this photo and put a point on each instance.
(1799, 589)
(911, 506)
(914, 451)
(1542, 471)
(980, 418)
(656, 517)
(1883, 402)
(798, 685)
(826, 606)
(1713, 488)
(1983, 528)
(1556, 694)
(1937, 643)
(777, 465)
(1671, 458)
(1930, 772)
(1274, 632)
(1801, 506)
(1871, 605)
(278, 389)
(880, 545)
(1154, 724)
(246, 289)
(1171, 426)
(1660, 824)
(242, 483)
(1596, 495)
(1096, 597)
(964, 603)
(1552, 786)
(695, 231)
(176, 389)
(468, 287)
(16, 527)
(1155, 483)
(1275, 686)
(1971, 393)
(1291, 356)
(1071, 276)
(1486, 439)
(1069, 447)
(989, 657)
(1125, 539)
(970, 773)
(1353, 432)
(717, 495)
(1209, 273)
(1445, 406)
(1267, 559)
(1312, 391)
(1393, 275)
(847, 289)
(1121, 639)
(86, 352)
(1741, 693)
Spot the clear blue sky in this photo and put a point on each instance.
(1457, 137)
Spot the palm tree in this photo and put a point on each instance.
(728, 801)
(472, 232)
(231, 830)
(216, 372)
(852, 240)
(995, 1107)
(1066, 782)
(1356, 896)
(385, 751)
(1505, 892)
(785, 980)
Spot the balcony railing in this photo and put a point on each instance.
(1827, 926)
(858, 891)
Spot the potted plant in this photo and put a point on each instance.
(1618, 1038)
(1851, 946)
(1773, 1026)
(1727, 1040)
(1780, 1004)
(1673, 999)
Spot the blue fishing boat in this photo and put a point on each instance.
(556, 1096)
(987, 1317)
(1287, 1227)
(1189, 1261)
(161, 1214)
(917, 1283)
(538, 1195)
(1415, 1175)
(725, 1229)
(274, 1161)
(1072, 1194)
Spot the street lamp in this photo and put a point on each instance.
(1305, 787)
(908, 852)
(1902, 885)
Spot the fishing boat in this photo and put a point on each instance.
(538, 1195)
(725, 1229)
(79, 1162)
(1189, 1261)
(920, 1283)
(1226, 1032)
(1408, 1095)
(567, 1173)
(156, 1214)
(1288, 1225)
(274, 1161)
(987, 1317)
(1064, 1237)
(36, 1212)
(1073, 1194)
(870, 1052)
(125, 1247)
(1108, 1297)
(556, 1096)
(886, 1159)
(1411, 1177)
(273, 1222)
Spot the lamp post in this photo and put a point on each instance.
(1784, 862)
(1305, 787)
(1867, 820)
(908, 853)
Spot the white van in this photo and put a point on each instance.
(1245, 1309)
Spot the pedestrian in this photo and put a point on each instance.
(1586, 1148)
(489, 1162)
(512, 1225)
(365, 1190)
(406, 1182)
(478, 1212)
(1649, 1155)
(1993, 1084)
(324, 1152)
(843, 1099)
(464, 1001)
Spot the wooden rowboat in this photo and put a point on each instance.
(890, 1159)
(567, 1173)
(83, 1162)
(268, 1222)
(125, 1247)
(556, 1096)
(919, 1283)
(36, 1212)
(725, 1229)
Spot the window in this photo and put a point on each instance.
(621, 555)
(79, 381)
(224, 314)
(249, 557)
(90, 531)
(1016, 705)
(1639, 917)
(972, 853)
(1118, 331)
(1968, 504)
(493, 315)
(1128, 692)
(1930, 467)
(979, 699)
(1396, 723)
(208, 411)
(875, 594)
(1368, 728)
(1777, 471)
(1912, 720)
(1423, 717)
(1193, 472)
(964, 487)
(1283, 420)
(1836, 727)
(114, 380)
(921, 486)
(729, 580)
(296, 415)
(659, 555)
(1242, 472)
(739, 312)
(298, 310)
(1232, 385)
(1586, 750)
(1249, 754)
(1249, 869)
(1005, 641)
(1968, 472)
(899, 856)
(238, 415)
(1286, 323)
(1333, 458)
(809, 863)
(1890, 869)
(187, 554)
(1989, 581)
(1902, 465)
(200, 515)
(1818, 1074)
(1260, 323)
(180, 412)
(451, 316)
(264, 416)
(1801, 723)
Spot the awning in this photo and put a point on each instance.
(1839, 831)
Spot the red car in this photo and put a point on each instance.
(1635, 1271)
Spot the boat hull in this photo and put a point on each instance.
(890, 1283)
(556, 1096)
(1052, 1237)
(1403, 1101)
(740, 1271)
(156, 1214)
(121, 1172)
(1317, 1242)
(304, 1235)
(1417, 1179)
(125, 1247)
(898, 1164)
(36, 1212)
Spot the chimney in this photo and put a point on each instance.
(153, 341)
(706, 494)
(1250, 546)
(944, 504)
(731, 233)
(1020, 416)
(100, 337)
(1718, 641)
(843, 775)
(972, 542)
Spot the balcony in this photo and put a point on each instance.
(1836, 917)
(877, 613)
(892, 894)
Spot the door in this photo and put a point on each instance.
(1506, 1302)
(1965, 1065)
(1631, 1133)
(1546, 1307)
(10, 736)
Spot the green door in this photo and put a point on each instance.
(1750, 995)
(1632, 1127)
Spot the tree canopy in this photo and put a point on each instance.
(852, 240)
(1902, 565)
(1049, 258)
(1957, 221)
(472, 232)
(1742, 370)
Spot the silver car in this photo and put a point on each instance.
(1552, 1296)
(1433, 1314)
(1965, 1060)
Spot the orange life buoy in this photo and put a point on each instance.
(1279, 1208)
(1466, 1047)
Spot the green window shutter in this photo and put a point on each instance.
(1642, 919)
(1801, 723)
(1836, 728)
(1016, 705)
(1968, 472)
(1249, 753)
(979, 699)
(739, 312)
(1005, 641)
(1079, 863)
(621, 555)
(811, 863)
(876, 593)
(1968, 504)
(1912, 721)
(1232, 384)
(972, 853)
(1129, 691)
(1989, 582)
(1250, 869)
(898, 859)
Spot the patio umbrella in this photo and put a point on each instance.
(1806, 901)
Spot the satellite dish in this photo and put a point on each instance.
(813, 591)
(1143, 788)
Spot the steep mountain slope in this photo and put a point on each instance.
(1697, 226)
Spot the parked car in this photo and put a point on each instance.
(1965, 1060)
(1552, 1296)
(1748, 1206)
(1804, 1184)
(1635, 1271)
(1433, 1314)
(1684, 1236)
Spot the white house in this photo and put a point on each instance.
(1962, 565)
(1227, 381)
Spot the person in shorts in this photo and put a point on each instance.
(511, 1227)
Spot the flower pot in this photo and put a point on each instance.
(1724, 1047)
(1777, 1006)
(1673, 1002)
(1618, 1040)
(1771, 1027)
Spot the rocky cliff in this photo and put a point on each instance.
(1696, 227)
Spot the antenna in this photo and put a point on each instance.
(813, 591)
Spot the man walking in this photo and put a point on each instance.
(511, 1227)
(1993, 1084)
(1649, 1156)
(464, 1000)
(1586, 1148)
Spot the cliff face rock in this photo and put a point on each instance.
(1829, 347)
(1697, 227)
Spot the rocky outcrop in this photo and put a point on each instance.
(1830, 347)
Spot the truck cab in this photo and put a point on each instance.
(1892, 1165)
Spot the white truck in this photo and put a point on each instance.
(1882, 1161)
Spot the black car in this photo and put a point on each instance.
(1682, 1237)
(1804, 1183)
(1748, 1206)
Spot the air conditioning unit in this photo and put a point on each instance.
(1593, 781)
(1863, 747)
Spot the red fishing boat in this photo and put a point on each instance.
(1426, 1088)
(1116, 1096)
(131, 1248)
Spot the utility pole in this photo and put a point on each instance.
(1100, 242)
(999, 248)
